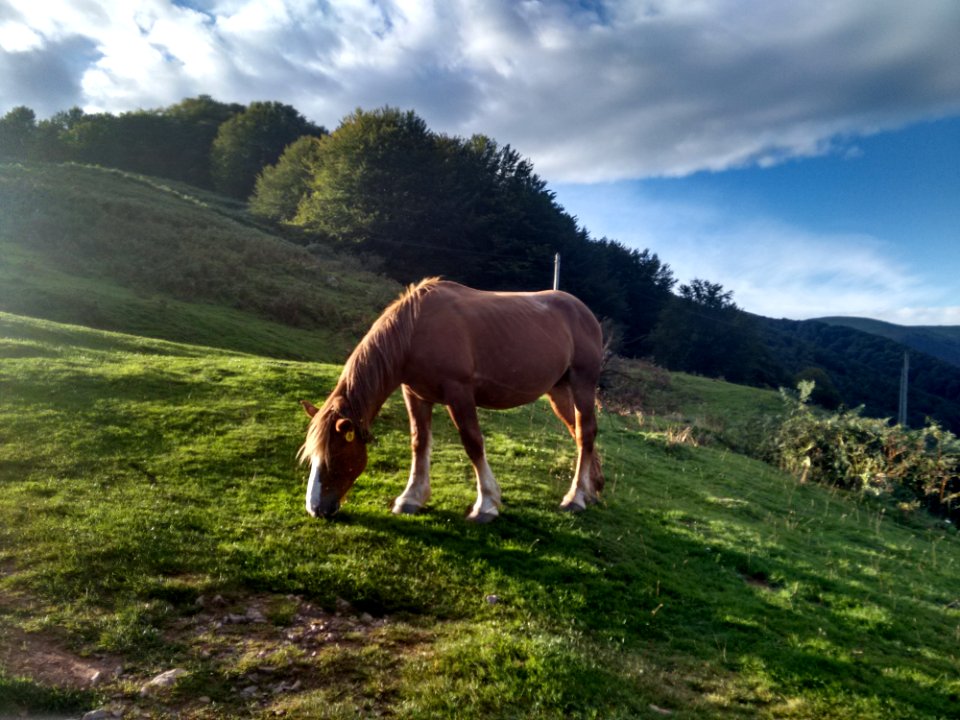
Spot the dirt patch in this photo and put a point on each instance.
(236, 656)
(42, 658)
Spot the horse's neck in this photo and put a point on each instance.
(366, 392)
(374, 369)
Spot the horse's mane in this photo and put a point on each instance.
(368, 376)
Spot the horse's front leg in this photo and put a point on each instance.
(417, 492)
(463, 412)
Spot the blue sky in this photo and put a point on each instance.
(803, 154)
(870, 228)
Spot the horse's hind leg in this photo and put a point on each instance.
(417, 492)
(575, 407)
(464, 416)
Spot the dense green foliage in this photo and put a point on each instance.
(858, 368)
(915, 467)
(467, 209)
(280, 187)
(703, 331)
(939, 341)
(252, 140)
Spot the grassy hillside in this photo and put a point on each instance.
(151, 518)
(941, 341)
(151, 513)
(117, 251)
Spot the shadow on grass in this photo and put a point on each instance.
(20, 697)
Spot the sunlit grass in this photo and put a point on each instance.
(139, 477)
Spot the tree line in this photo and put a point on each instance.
(415, 202)
(385, 185)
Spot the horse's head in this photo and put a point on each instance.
(337, 450)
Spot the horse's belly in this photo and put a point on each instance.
(500, 400)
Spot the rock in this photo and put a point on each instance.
(366, 618)
(255, 616)
(492, 599)
(101, 714)
(250, 691)
(343, 606)
(163, 680)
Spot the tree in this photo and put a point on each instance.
(251, 140)
(377, 184)
(280, 188)
(196, 122)
(702, 331)
(708, 296)
(49, 144)
(17, 130)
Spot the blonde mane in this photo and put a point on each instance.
(369, 374)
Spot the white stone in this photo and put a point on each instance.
(163, 680)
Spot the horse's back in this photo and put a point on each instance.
(512, 347)
(514, 316)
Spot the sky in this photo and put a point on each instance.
(803, 153)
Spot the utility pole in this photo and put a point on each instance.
(904, 378)
(556, 271)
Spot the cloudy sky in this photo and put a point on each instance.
(803, 153)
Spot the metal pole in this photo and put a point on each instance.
(556, 271)
(904, 377)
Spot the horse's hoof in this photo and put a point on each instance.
(482, 518)
(407, 509)
(573, 507)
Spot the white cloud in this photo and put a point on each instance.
(774, 269)
(590, 91)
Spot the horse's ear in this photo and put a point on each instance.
(310, 408)
(344, 426)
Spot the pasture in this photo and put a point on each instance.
(151, 518)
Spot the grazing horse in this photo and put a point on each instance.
(463, 348)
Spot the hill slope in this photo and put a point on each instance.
(117, 251)
(860, 368)
(152, 514)
(940, 341)
(152, 518)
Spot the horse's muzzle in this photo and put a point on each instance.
(325, 510)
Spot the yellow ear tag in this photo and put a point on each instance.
(349, 435)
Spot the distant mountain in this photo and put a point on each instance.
(852, 367)
(941, 341)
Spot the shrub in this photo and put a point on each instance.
(867, 455)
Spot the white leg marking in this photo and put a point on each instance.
(314, 489)
(488, 492)
(581, 491)
(417, 492)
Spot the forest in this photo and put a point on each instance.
(411, 202)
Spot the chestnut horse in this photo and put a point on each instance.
(464, 348)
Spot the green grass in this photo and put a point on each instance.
(117, 251)
(149, 497)
(142, 478)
